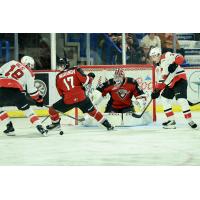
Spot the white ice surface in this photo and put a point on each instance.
(87, 146)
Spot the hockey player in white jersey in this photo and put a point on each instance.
(171, 82)
(15, 79)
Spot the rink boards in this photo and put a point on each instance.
(45, 82)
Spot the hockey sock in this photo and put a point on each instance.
(32, 117)
(185, 108)
(97, 115)
(4, 117)
(54, 115)
(168, 108)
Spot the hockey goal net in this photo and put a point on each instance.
(144, 74)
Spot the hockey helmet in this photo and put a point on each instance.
(28, 61)
(155, 51)
(119, 76)
(63, 63)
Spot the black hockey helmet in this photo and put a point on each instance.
(63, 63)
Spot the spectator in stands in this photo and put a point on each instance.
(148, 41)
(197, 36)
(134, 53)
(167, 43)
(106, 46)
(45, 53)
(114, 36)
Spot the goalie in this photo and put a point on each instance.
(124, 92)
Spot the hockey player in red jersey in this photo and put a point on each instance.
(171, 82)
(121, 90)
(15, 79)
(71, 84)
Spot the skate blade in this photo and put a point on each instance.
(11, 133)
(45, 134)
(169, 127)
(196, 129)
(55, 129)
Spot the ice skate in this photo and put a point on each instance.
(170, 124)
(54, 126)
(108, 125)
(42, 130)
(10, 131)
(193, 125)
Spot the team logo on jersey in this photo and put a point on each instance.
(41, 86)
(122, 93)
(194, 82)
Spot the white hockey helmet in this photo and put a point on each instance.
(155, 51)
(28, 61)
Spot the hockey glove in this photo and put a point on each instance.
(155, 94)
(40, 101)
(172, 67)
(160, 86)
(91, 74)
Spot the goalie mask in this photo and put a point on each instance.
(28, 61)
(63, 63)
(119, 76)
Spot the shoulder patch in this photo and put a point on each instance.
(130, 80)
(111, 81)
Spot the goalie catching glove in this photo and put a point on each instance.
(140, 101)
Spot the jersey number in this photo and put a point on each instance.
(69, 82)
(16, 74)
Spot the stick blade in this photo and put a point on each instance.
(81, 119)
(135, 115)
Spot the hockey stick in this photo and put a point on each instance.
(193, 104)
(140, 115)
(45, 119)
(80, 120)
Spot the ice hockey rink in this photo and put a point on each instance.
(94, 146)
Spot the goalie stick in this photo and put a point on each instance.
(140, 115)
(193, 104)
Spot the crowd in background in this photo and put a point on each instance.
(137, 51)
(105, 48)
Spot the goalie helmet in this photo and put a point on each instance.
(119, 76)
(63, 63)
(28, 61)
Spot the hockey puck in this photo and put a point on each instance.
(61, 133)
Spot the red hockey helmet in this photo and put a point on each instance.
(119, 76)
